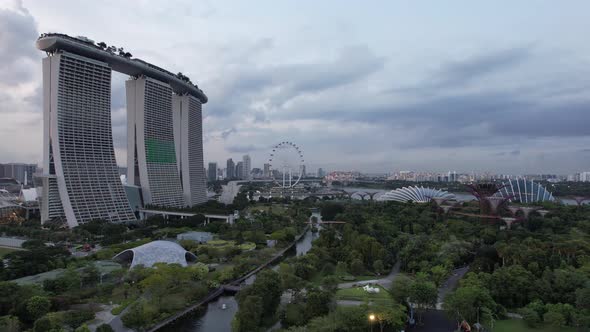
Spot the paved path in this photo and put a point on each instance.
(351, 303)
(384, 282)
(450, 284)
(117, 323)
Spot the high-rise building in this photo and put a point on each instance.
(188, 139)
(165, 157)
(212, 172)
(80, 175)
(239, 170)
(23, 173)
(230, 169)
(584, 177)
(247, 167)
(321, 173)
(150, 143)
(303, 172)
(266, 172)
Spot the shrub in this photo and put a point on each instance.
(104, 328)
(75, 318)
(554, 318)
(357, 267)
(530, 317)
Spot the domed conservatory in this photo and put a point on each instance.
(415, 194)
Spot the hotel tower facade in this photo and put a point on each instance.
(80, 180)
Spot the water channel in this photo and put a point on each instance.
(218, 315)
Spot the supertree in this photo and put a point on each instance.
(484, 193)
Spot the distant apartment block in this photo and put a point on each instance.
(21, 172)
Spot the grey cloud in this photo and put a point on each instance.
(292, 80)
(17, 34)
(248, 148)
(456, 72)
(464, 118)
(226, 133)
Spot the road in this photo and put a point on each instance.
(450, 284)
(384, 282)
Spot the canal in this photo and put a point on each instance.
(218, 315)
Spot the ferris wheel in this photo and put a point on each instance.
(286, 164)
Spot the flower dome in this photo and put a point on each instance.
(524, 191)
(415, 194)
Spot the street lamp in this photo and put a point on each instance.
(371, 320)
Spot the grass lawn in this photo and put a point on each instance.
(276, 209)
(518, 325)
(4, 251)
(359, 294)
(316, 280)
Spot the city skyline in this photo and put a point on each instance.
(514, 104)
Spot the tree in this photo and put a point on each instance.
(104, 328)
(249, 315)
(9, 324)
(37, 306)
(394, 317)
(317, 302)
(510, 286)
(330, 283)
(268, 286)
(467, 303)
(378, 267)
(554, 318)
(424, 294)
(260, 299)
(83, 328)
(401, 288)
(530, 317)
(356, 267)
(76, 318)
(438, 273)
(90, 275)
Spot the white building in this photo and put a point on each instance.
(188, 138)
(81, 179)
(151, 154)
(165, 154)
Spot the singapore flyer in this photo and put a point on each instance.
(286, 164)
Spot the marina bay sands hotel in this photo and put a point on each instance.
(164, 134)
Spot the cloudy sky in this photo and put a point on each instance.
(372, 86)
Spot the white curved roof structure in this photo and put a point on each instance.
(156, 252)
(524, 191)
(415, 194)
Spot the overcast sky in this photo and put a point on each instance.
(373, 86)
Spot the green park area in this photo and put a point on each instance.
(359, 294)
(268, 208)
(518, 325)
(538, 268)
(4, 251)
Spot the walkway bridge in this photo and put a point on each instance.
(228, 219)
